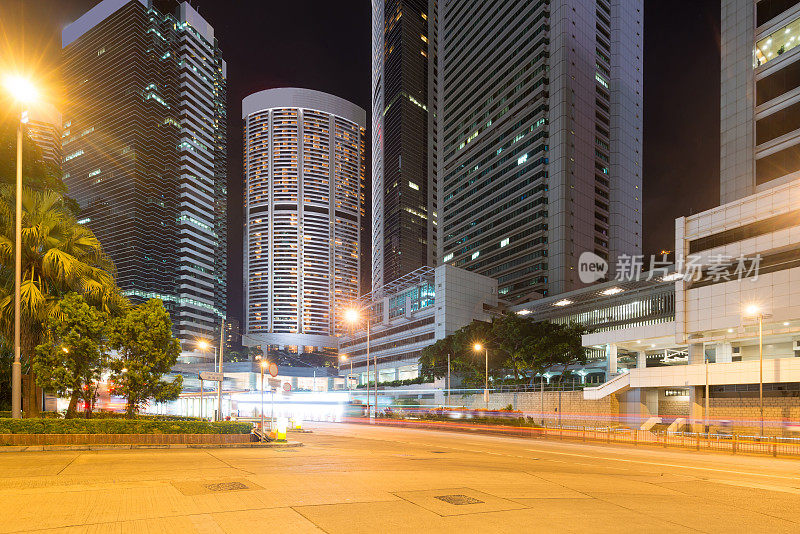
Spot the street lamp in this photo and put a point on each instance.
(352, 316)
(204, 345)
(754, 311)
(478, 347)
(263, 366)
(23, 91)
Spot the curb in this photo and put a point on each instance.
(112, 447)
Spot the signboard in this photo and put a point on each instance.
(211, 375)
(274, 382)
(273, 369)
(287, 387)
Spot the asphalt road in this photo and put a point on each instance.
(356, 478)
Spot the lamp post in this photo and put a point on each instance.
(205, 345)
(263, 365)
(352, 316)
(23, 92)
(756, 312)
(478, 347)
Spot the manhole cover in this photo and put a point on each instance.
(458, 500)
(226, 486)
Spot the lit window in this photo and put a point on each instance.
(778, 42)
(447, 257)
(476, 254)
(505, 242)
(414, 186)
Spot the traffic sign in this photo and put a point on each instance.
(211, 375)
(287, 387)
(273, 369)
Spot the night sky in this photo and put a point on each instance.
(325, 45)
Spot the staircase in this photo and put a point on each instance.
(621, 382)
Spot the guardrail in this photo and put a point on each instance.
(734, 444)
(775, 446)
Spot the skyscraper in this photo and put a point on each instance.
(540, 138)
(144, 152)
(404, 96)
(44, 128)
(760, 77)
(304, 169)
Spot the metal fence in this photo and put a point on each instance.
(729, 443)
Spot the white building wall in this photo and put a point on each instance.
(303, 175)
(737, 100)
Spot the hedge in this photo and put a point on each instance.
(111, 415)
(119, 426)
(143, 416)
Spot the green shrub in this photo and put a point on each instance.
(119, 426)
(143, 416)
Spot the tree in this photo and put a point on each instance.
(58, 256)
(147, 350)
(469, 365)
(516, 345)
(516, 337)
(73, 356)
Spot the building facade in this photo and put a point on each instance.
(412, 313)
(760, 87)
(145, 152)
(304, 165)
(44, 128)
(540, 138)
(404, 99)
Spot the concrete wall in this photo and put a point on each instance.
(574, 409)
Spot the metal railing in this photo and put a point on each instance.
(776, 446)
(700, 441)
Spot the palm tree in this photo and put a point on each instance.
(58, 256)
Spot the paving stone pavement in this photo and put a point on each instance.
(356, 478)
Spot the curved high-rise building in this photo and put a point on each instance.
(304, 170)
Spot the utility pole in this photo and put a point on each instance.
(219, 384)
(16, 367)
(448, 379)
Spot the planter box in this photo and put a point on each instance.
(121, 439)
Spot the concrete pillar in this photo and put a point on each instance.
(696, 353)
(724, 353)
(641, 359)
(611, 360)
(695, 415)
(632, 408)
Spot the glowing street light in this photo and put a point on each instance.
(755, 312)
(23, 91)
(352, 316)
(478, 347)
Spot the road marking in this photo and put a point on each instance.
(785, 489)
(661, 464)
(545, 451)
